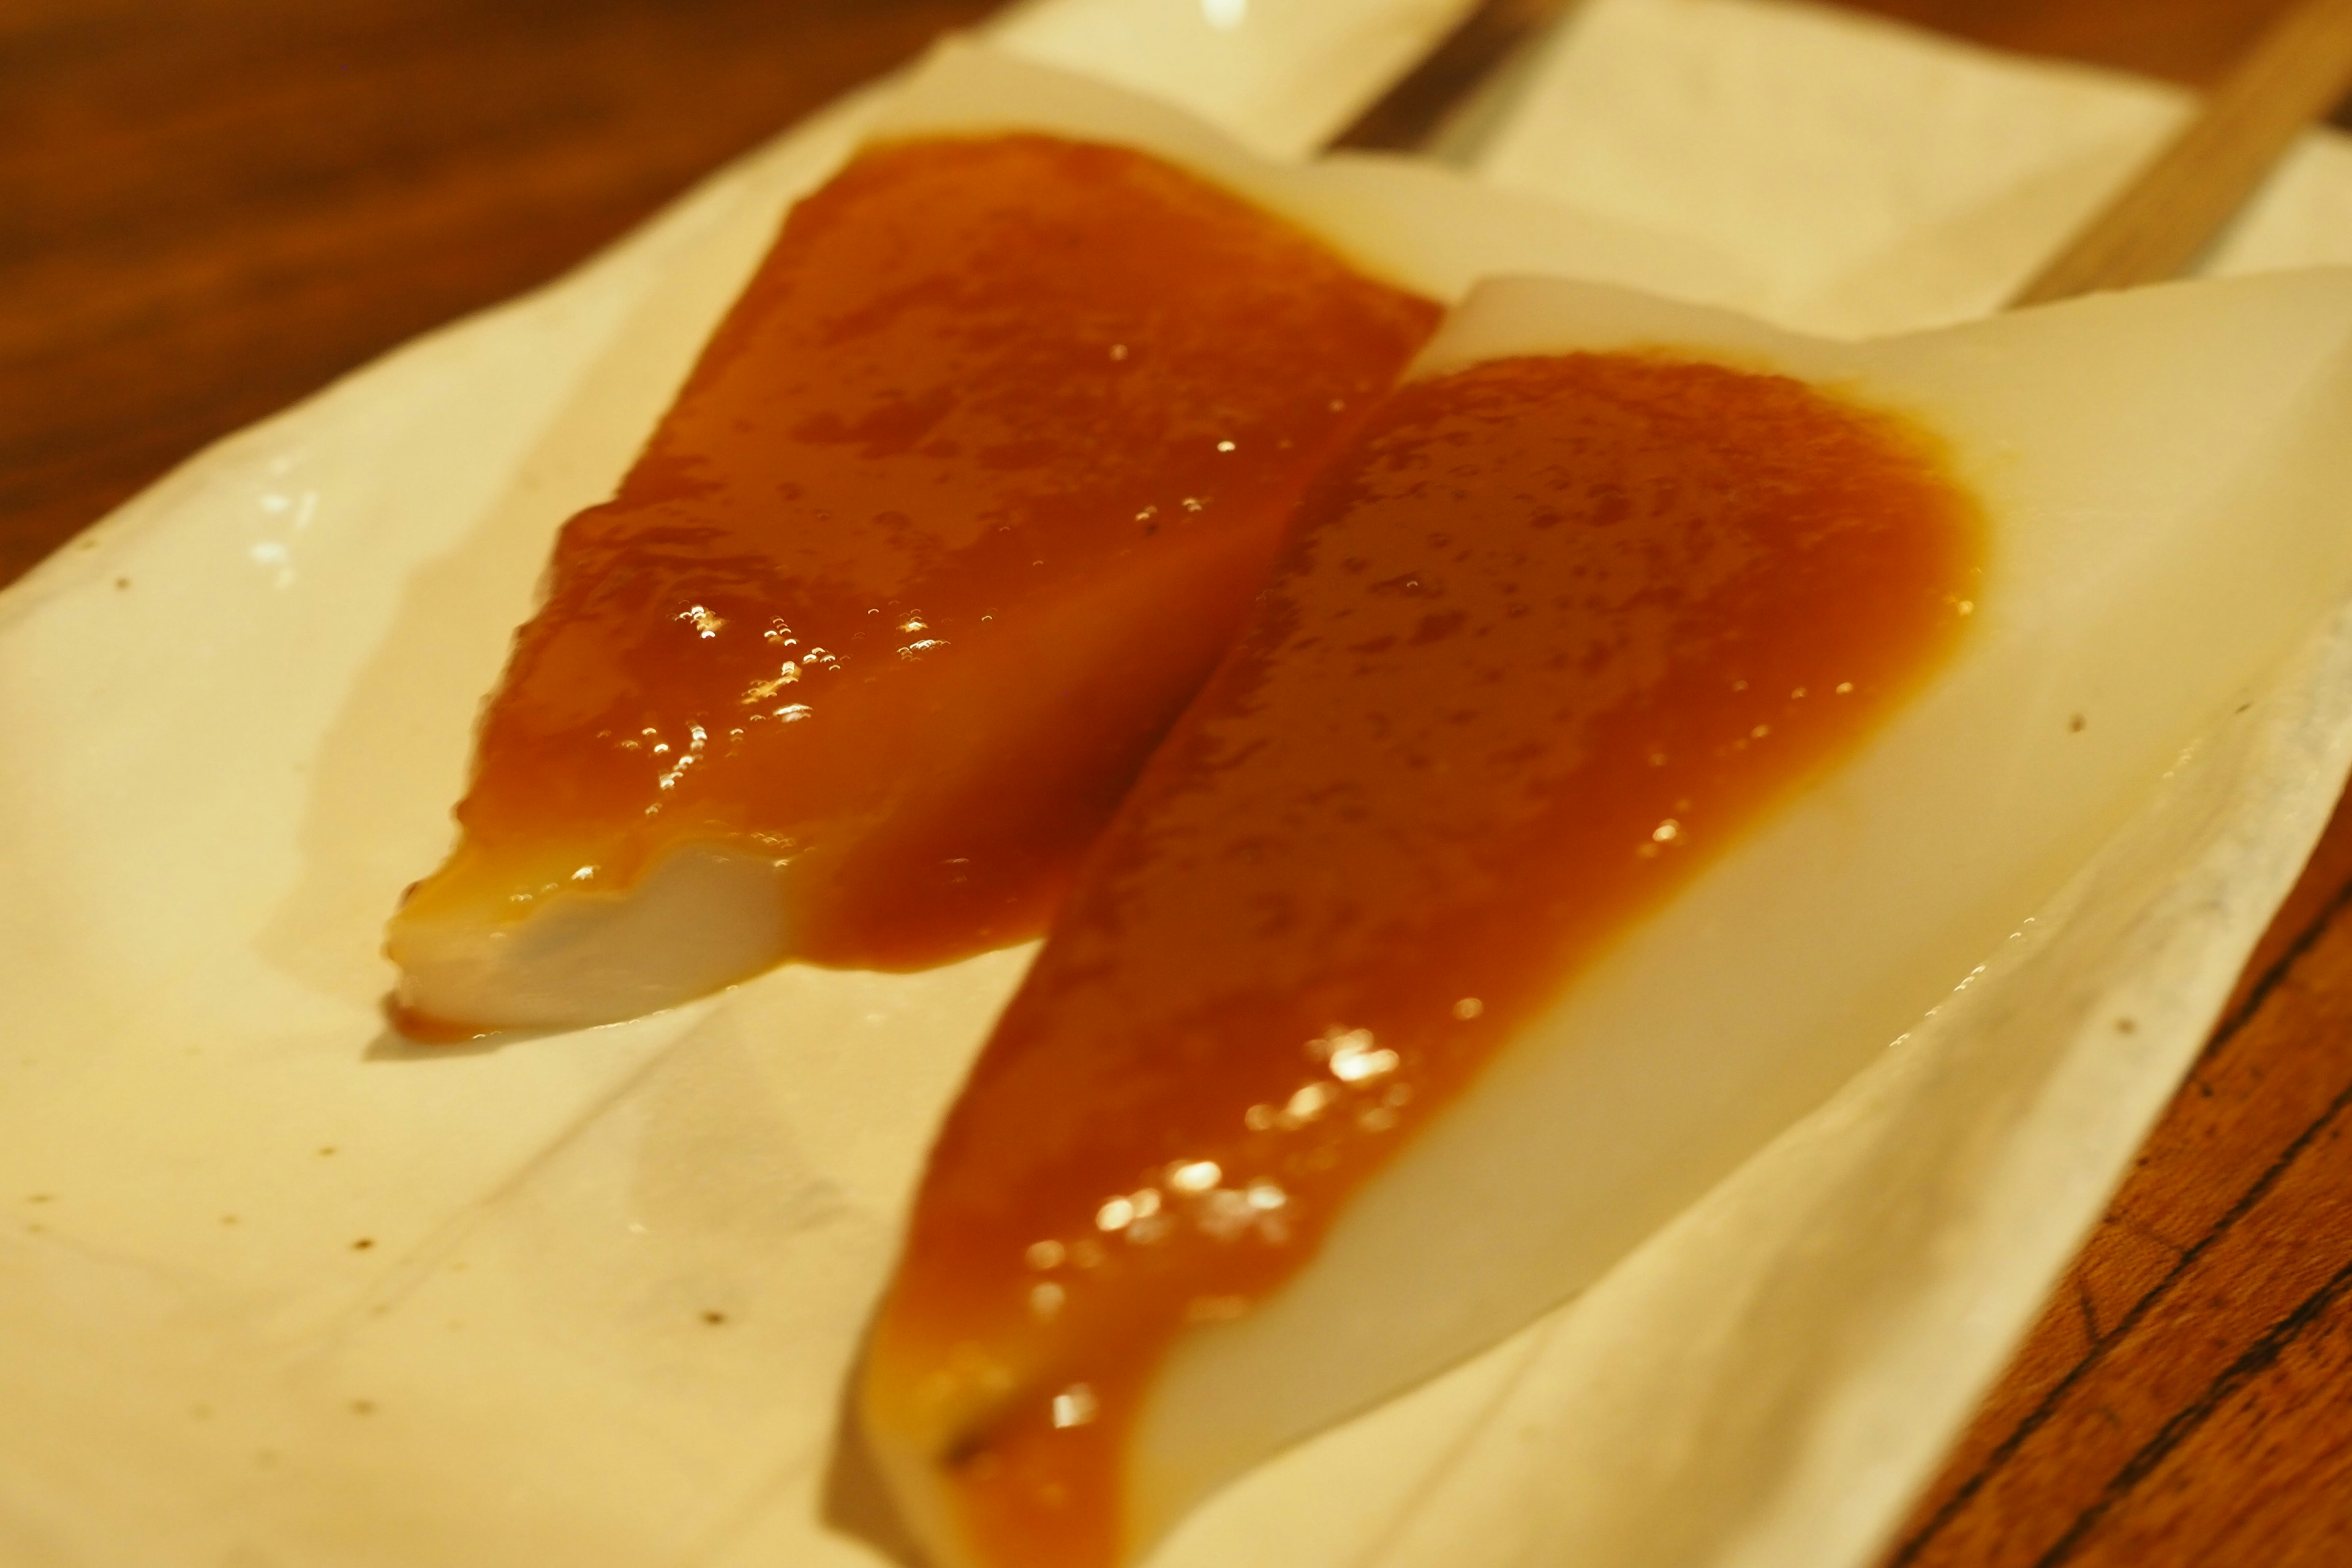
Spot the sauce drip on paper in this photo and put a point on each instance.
(961, 502)
(1549, 636)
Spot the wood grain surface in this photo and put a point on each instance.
(211, 207)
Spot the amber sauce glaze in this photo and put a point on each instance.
(963, 501)
(1549, 636)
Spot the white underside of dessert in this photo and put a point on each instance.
(705, 916)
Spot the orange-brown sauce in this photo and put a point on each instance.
(963, 501)
(1549, 636)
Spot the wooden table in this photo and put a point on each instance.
(210, 207)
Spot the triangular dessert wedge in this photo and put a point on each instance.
(1651, 717)
(963, 500)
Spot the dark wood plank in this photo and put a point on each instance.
(211, 207)
(2137, 1413)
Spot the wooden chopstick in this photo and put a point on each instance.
(2298, 69)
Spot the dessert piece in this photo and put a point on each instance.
(966, 494)
(1651, 717)
(963, 500)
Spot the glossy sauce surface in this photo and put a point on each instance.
(1551, 634)
(963, 500)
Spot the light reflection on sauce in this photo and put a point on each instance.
(1549, 637)
(963, 501)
